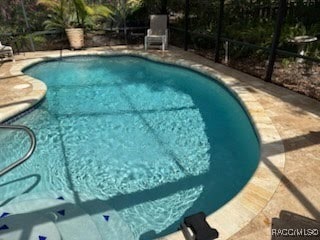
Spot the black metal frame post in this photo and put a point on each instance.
(219, 31)
(186, 26)
(276, 37)
(27, 25)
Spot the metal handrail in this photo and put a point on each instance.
(28, 154)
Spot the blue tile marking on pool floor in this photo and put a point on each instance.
(106, 217)
(61, 212)
(4, 214)
(4, 227)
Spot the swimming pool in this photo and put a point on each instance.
(153, 141)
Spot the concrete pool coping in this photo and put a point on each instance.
(253, 198)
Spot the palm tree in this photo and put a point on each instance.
(72, 13)
(72, 16)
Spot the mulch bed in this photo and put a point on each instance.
(303, 77)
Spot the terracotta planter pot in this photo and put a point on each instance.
(75, 37)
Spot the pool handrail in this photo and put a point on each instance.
(28, 154)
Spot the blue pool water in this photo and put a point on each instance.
(155, 142)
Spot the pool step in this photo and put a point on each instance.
(109, 224)
(46, 219)
(27, 226)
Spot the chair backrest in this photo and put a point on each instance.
(158, 24)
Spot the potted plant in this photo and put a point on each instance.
(72, 16)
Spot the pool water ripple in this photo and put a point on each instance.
(153, 141)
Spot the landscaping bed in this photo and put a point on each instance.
(299, 77)
(302, 77)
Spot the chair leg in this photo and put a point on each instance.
(12, 56)
(163, 44)
(145, 44)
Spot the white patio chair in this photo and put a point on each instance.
(6, 51)
(158, 32)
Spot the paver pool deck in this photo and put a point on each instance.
(288, 124)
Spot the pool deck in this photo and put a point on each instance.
(288, 123)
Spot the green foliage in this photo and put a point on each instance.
(76, 13)
(39, 39)
(255, 32)
(315, 29)
(289, 32)
(12, 18)
(303, 12)
(81, 10)
(287, 61)
(58, 16)
(122, 9)
(160, 6)
(204, 20)
(200, 42)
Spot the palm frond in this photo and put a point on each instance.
(100, 10)
(49, 3)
